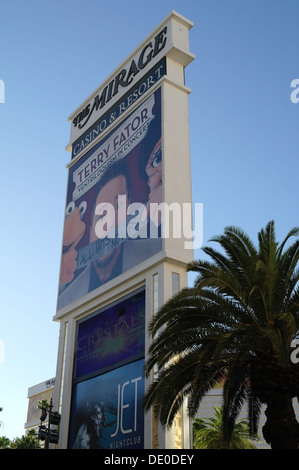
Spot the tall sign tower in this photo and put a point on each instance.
(126, 241)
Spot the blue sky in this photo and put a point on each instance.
(244, 136)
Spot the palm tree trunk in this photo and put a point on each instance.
(281, 430)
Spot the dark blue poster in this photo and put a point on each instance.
(107, 410)
(111, 337)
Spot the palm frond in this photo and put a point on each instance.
(239, 317)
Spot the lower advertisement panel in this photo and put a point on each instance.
(107, 410)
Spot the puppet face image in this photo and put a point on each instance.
(74, 227)
(154, 166)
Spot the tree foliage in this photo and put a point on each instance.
(4, 442)
(208, 433)
(238, 322)
(28, 441)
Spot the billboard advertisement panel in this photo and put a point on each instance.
(112, 337)
(108, 227)
(107, 410)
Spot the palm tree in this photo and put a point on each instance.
(28, 441)
(4, 442)
(237, 322)
(209, 433)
